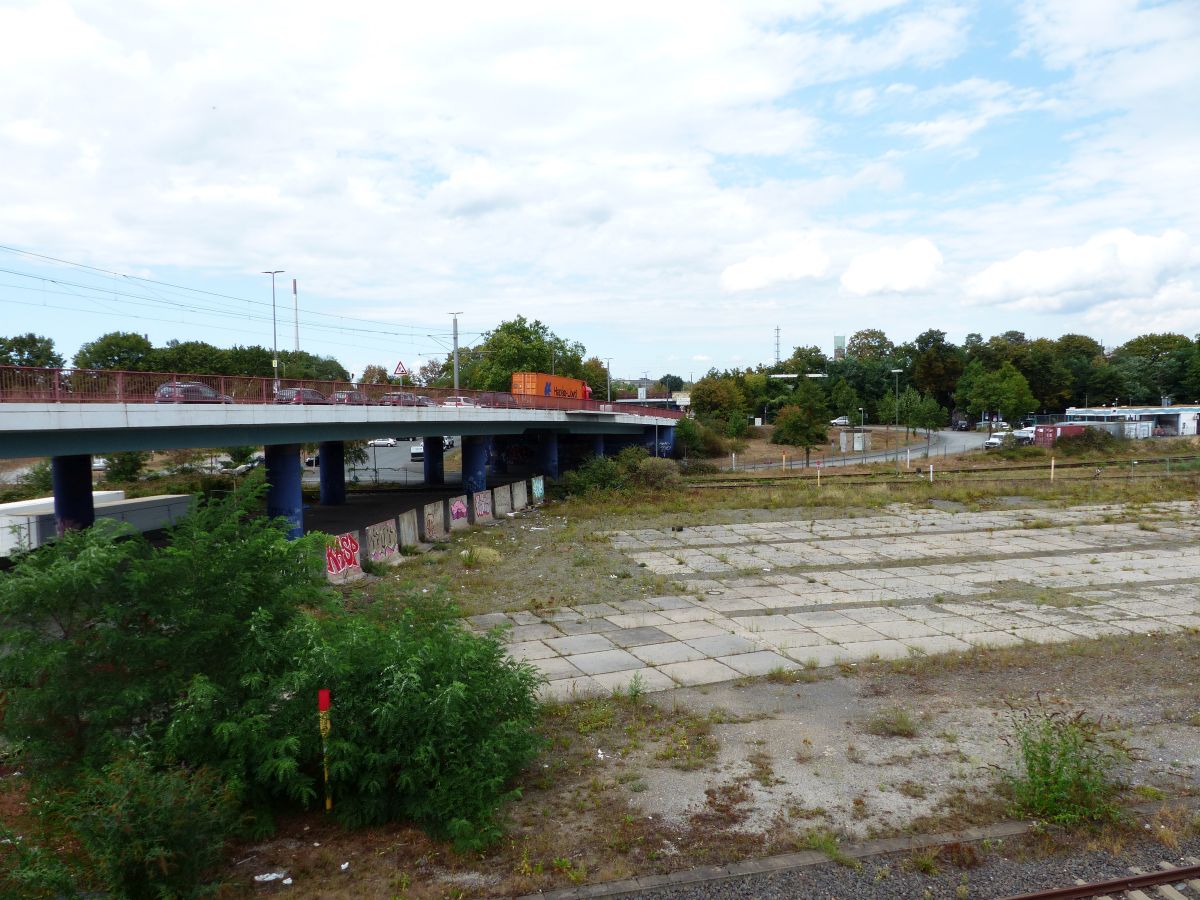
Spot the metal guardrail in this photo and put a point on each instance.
(19, 384)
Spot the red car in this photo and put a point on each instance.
(305, 396)
(188, 392)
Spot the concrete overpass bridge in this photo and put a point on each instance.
(72, 415)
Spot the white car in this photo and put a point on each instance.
(382, 442)
(994, 442)
(840, 420)
(459, 401)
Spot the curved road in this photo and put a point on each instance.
(943, 443)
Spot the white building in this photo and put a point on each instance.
(1139, 421)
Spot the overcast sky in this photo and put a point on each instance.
(665, 182)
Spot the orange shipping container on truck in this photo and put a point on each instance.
(539, 384)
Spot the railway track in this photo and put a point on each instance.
(1169, 882)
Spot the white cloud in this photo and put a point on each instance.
(911, 267)
(1109, 264)
(805, 259)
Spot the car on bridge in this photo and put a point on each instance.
(459, 401)
(306, 396)
(405, 398)
(350, 398)
(188, 392)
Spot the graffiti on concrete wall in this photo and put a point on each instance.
(483, 504)
(341, 556)
(458, 509)
(539, 489)
(382, 542)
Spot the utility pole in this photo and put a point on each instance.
(274, 330)
(456, 315)
(296, 313)
(608, 373)
(776, 345)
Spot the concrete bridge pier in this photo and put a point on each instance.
(598, 445)
(435, 460)
(72, 480)
(660, 440)
(499, 451)
(547, 453)
(284, 499)
(474, 463)
(333, 473)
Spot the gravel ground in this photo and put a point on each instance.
(886, 877)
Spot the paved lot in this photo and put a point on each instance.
(771, 595)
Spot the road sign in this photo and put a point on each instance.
(401, 371)
(817, 463)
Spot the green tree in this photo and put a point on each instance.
(719, 404)
(805, 422)
(844, 400)
(937, 365)
(124, 350)
(374, 375)
(1050, 379)
(518, 345)
(672, 383)
(595, 374)
(1004, 391)
(193, 357)
(29, 350)
(869, 343)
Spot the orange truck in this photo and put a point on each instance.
(539, 384)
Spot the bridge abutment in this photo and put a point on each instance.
(284, 499)
(435, 459)
(333, 473)
(474, 463)
(72, 480)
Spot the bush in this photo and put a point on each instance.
(694, 438)
(597, 474)
(39, 478)
(153, 832)
(632, 467)
(125, 466)
(1065, 767)
(1092, 440)
(655, 475)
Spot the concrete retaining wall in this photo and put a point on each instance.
(432, 522)
(501, 501)
(382, 542)
(459, 514)
(520, 494)
(410, 531)
(537, 490)
(480, 507)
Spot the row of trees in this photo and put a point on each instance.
(132, 352)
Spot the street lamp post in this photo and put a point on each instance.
(456, 315)
(274, 330)
(608, 375)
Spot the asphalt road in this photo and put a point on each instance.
(943, 443)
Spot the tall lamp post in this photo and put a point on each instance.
(896, 378)
(456, 315)
(274, 330)
(608, 375)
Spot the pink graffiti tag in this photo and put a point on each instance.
(458, 510)
(343, 555)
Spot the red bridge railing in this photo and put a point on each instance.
(19, 384)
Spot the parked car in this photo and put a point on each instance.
(962, 425)
(188, 392)
(405, 398)
(99, 464)
(459, 401)
(312, 461)
(1001, 426)
(254, 462)
(840, 420)
(448, 442)
(994, 442)
(1024, 436)
(382, 442)
(417, 451)
(350, 398)
(305, 396)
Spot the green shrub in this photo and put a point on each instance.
(39, 478)
(694, 438)
(655, 475)
(239, 456)
(153, 832)
(1065, 767)
(598, 473)
(125, 466)
(1091, 440)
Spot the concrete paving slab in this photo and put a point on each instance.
(820, 619)
(638, 620)
(567, 689)
(847, 634)
(635, 637)
(529, 650)
(586, 626)
(579, 643)
(689, 630)
(649, 680)
(818, 656)
(760, 662)
(862, 650)
(985, 639)
(692, 614)
(668, 652)
(605, 661)
(905, 628)
(723, 644)
(700, 671)
(532, 633)
(939, 644)
(555, 667)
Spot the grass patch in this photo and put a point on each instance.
(895, 721)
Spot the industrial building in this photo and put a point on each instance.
(1138, 421)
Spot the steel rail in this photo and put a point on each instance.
(1098, 888)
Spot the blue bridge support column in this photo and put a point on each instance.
(547, 454)
(72, 480)
(333, 473)
(598, 445)
(284, 499)
(435, 460)
(474, 463)
(660, 440)
(499, 455)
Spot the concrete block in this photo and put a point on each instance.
(410, 532)
(342, 558)
(480, 507)
(501, 500)
(433, 521)
(520, 494)
(383, 543)
(459, 516)
(537, 490)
